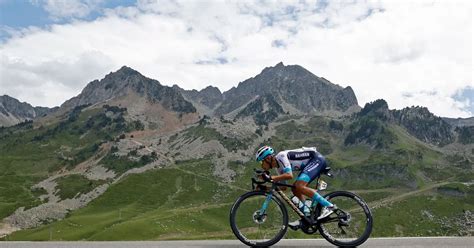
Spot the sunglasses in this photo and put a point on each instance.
(265, 160)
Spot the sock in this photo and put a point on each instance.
(318, 198)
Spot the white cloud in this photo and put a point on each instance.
(50, 82)
(67, 9)
(381, 49)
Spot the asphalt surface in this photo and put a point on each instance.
(431, 242)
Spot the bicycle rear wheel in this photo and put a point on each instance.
(351, 224)
(254, 228)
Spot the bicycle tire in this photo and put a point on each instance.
(253, 243)
(368, 214)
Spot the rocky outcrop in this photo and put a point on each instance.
(121, 82)
(13, 111)
(465, 134)
(291, 86)
(424, 125)
(210, 96)
(370, 126)
(263, 110)
(377, 109)
(460, 122)
(49, 212)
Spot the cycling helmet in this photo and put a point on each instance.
(263, 152)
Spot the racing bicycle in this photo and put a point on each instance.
(259, 218)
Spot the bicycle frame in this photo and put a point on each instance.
(283, 196)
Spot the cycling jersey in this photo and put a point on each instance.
(306, 159)
(295, 160)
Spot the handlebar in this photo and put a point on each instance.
(259, 173)
(256, 183)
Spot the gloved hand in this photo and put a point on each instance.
(266, 177)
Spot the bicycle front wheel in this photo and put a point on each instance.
(350, 224)
(255, 228)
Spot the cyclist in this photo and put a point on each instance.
(307, 160)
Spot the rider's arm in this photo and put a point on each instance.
(285, 176)
(286, 173)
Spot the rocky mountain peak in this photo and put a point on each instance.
(294, 87)
(126, 80)
(281, 70)
(210, 96)
(211, 90)
(125, 75)
(125, 70)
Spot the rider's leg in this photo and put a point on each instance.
(297, 190)
(312, 171)
(309, 173)
(302, 189)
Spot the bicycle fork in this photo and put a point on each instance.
(265, 204)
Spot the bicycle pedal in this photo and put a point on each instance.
(295, 225)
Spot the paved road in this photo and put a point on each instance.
(431, 242)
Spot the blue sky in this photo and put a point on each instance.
(17, 14)
(407, 52)
(20, 14)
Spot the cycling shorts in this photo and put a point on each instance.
(312, 170)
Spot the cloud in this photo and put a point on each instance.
(444, 105)
(465, 97)
(68, 9)
(399, 51)
(278, 43)
(46, 82)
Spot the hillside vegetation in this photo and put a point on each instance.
(130, 159)
(186, 200)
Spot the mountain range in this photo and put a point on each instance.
(170, 161)
(294, 89)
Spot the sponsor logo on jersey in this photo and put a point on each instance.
(300, 155)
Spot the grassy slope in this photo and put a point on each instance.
(430, 214)
(29, 155)
(72, 185)
(172, 204)
(186, 202)
(146, 206)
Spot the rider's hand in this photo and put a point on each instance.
(266, 177)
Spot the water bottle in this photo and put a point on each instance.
(303, 206)
(295, 200)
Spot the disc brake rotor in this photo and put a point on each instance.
(344, 218)
(258, 218)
